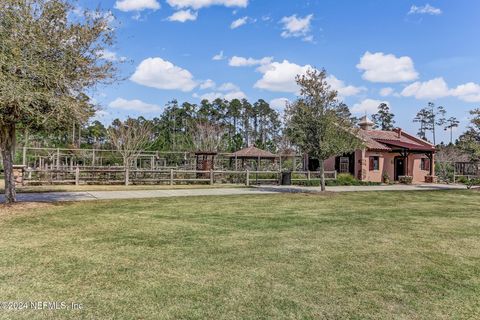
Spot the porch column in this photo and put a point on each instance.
(431, 163)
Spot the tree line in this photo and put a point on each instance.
(239, 123)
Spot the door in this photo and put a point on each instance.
(399, 167)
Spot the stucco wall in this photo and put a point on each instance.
(414, 168)
(386, 164)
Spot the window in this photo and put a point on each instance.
(374, 163)
(425, 164)
(344, 165)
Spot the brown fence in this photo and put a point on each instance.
(119, 176)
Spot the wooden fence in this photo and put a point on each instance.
(172, 176)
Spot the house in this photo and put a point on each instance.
(393, 153)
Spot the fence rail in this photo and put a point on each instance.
(80, 176)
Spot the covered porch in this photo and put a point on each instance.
(403, 159)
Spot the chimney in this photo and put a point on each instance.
(399, 132)
(365, 123)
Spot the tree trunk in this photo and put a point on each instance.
(7, 139)
(321, 167)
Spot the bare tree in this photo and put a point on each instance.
(445, 159)
(130, 138)
(208, 137)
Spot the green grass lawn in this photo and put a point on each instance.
(410, 255)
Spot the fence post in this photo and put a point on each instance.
(58, 159)
(24, 156)
(171, 177)
(211, 177)
(248, 178)
(454, 173)
(127, 174)
(308, 175)
(77, 176)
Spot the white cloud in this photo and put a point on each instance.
(380, 67)
(236, 61)
(426, 9)
(183, 16)
(238, 23)
(207, 84)
(280, 76)
(227, 91)
(432, 89)
(198, 4)
(297, 27)
(222, 95)
(438, 88)
(136, 5)
(279, 103)
(385, 92)
(342, 89)
(162, 74)
(100, 114)
(367, 105)
(134, 105)
(469, 92)
(228, 87)
(219, 56)
(111, 56)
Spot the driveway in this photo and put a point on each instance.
(144, 194)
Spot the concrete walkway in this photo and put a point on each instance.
(144, 194)
(132, 194)
(394, 187)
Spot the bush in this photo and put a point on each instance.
(343, 179)
(405, 179)
(462, 179)
(346, 179)
(472, 183)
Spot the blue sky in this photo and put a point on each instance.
(404, 52)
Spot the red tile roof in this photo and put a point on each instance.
(387, 140)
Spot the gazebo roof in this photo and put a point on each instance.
(253, 153)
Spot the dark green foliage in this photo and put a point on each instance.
(429, 118)
(317, 122)
(343, 179)
(470, 140)
(383, 119)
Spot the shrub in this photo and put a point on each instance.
(343, 179)
(472, 182)
(385, 177)
(405, 179)
(346, 179)
(462, 179)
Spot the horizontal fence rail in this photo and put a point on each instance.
(111, 176)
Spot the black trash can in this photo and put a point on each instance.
(286, 178)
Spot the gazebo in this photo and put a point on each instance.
(252, 154)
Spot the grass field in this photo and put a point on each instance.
(410, 255)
